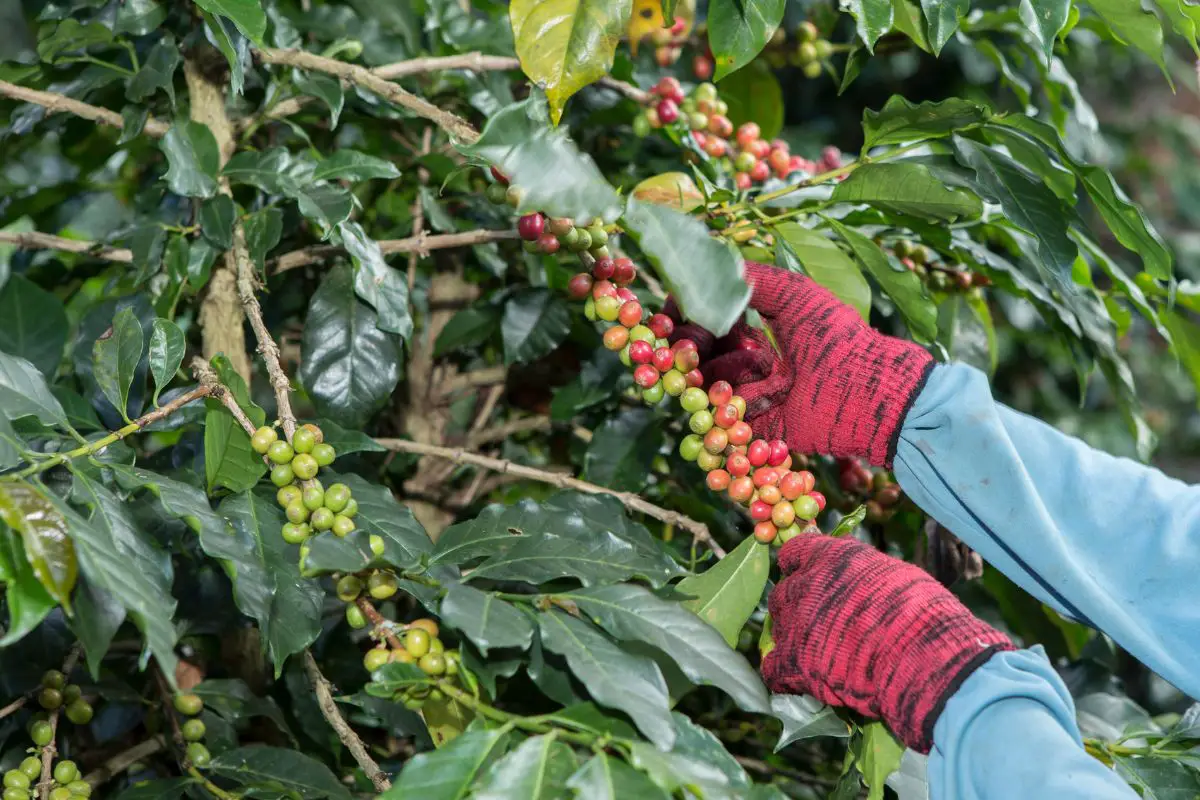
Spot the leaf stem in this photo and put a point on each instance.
(98, 445)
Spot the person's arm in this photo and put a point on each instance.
(1009, 732)
(1108, 541)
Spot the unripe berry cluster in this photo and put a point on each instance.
(192, 729)
(874, 487)
(920, 260)
(309, 506)
(21, 783)
(55, 694)
(806, 49)
(420, 645)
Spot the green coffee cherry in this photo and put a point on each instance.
(321, 519)
(324, 454)
(262, 439)
(694, 399)
(378, 546)
(282, 475)
(374, 659)
(15, 779)
(432, 664)
(382, 585)
(72, 693)
(303, 440)
(80, 712)
(189, 704)
(280, 452)
(50, 699)
(349, 587)
(297, 513)
(66, 771)
(305, 466)
(355, 617)
(61, 793)
(336, 497)
(193, 731)
(417, 642)
(296, 534)
(32, 767)
(80, 788)
(41, 733)
(342, 526)
(313, 497)
(198, 754)
(350, 510)
(53, 679)
(288, 495)
(15, 794)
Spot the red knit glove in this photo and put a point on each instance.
(854, 627)
(837, 388)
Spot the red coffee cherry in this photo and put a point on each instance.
(683, 344)
(747, 133)
(720, 393)
(631, 314)
(740, 433)
(664, 360)
(738, 465)
(770, 495)
(668, 111)
(741, 489)
(641, 352)
(623, 271)
(726, 416)
(760, 511)
(645, 376)
(779, 453)
(758, 452)
(603, 269)
(819, 498)
(715, 441)
(662, 325)
(616, 337)
(580, 286)
(765, 531)
(530, 226)
(626, 295)
(603, 289)
(694, 378)
(717, 480)
(686, 360)
(548, 243)
(765, 476)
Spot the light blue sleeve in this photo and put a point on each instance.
(1009, 732)
(1111, 542)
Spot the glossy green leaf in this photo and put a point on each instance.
(566, 44)
(325, 88)
(727, 593)
(907, 189)
(71, 36)
(354, 165)
(33, 324)
(279, 172)
(804, 250)
(1184, 18)
(878, 757)
(233, 45)
(263, 230)
(1045, 19)
(485, 619)
(348, 365)
(229, 460)
(193, 158)
(276, 769)
(126, 562)
(703, 274)
(805, 717)
(247, 15)
(672, 771)
(448, 772)
(468, 328)
(233, 700)
(631, 612)
(622, 449)
(216, 220)
(48, 552)
(139, 17)
(753, 94)
(674, 189)
(167, 348)
(902, 285)
(290, 604)
(147, 243)
(383, 288)
(908, 19)
(345, 441)
(872, 19)
(605, 778)
(1134, 25)
(901, 121)
(536, 770)
(115, 358)
(158, 73)
(24, 393)
(1159, 778)
(27, 600)
(534, 322)
(738, 30)
(613, 677)
(555, 176)
(200, 258)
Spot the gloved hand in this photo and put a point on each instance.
(854, 627)
(838, 387)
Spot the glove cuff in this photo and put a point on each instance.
(885, 377)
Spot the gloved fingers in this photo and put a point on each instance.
(738, 368)
(805, 553)
(703, 339)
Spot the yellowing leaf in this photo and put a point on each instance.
(674, 189)
(566, 44)
(43, 530)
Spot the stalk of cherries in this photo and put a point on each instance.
(21, 782)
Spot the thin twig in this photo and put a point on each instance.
(124, 760)
(486, 376)
(453, 124)
(344, 732)
(54, 102)
(381, 624)
(418, 208)
(207, 378)
(14, 706)
(420, 244)
(631, 501)
(46, 241)
(501, 432)
(46, 783)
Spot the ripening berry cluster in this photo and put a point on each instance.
(309, 506)
(919, 259)
(55, 694)
(421, 646)
(874, 487)
(542, 234)
(752, 158)
(668, 43)
(755, 473)
(193, 729)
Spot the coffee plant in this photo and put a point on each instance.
(345, 447)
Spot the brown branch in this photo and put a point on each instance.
(46, 783)
(208, 379)
(486, 376)
(630, 500)
(421, 244)
(124, 760)
(46, 241)
(418, 209)
(379, 622)
(453, 124)
(14, 706)
(344, 732)
(55, 103)
(501, 432)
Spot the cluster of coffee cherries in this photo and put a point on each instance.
(542, 234)
(309, 506)
(668, 43)
(21, 783)
(54, 694)
(755, 473)
(876, 488)
(806, 50)
(193, 730)
(419, 645)
(920, 260)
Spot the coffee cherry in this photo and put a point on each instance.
(548, 243)
(41, 733)
(744, 162)
(198, 754)
(80, 788)
(295, 534)
(694, 378)
(624, 272)
(598, 235)
(350, 510)
(417, 642)
(607, 307)
(303, 440)
(819, 499)
(747, 133)
(324, 454)
(770, 494)
(691, 447)
(262, 439)
(738, 465)
(342, 526)
(297, 513)
(15, 779)
(760, 171)
(739, 402)
(336, 497)
(375, 659)
(686, 361)
(495, 193)
(193, 731)
(355, 617)
(57, 793)
(693, 400)
(305, 466)
(663, 360)
(513, 195)
(348, 588)
(53, 679)
(783, 514)
(742, 180)
(282, 475)
(715, 441)
(654, 395)
(616, 337)
(720, 393)
(741, 489)
(765, 531)
(630, 314)
(188, 704)
(667, 110)
(684, 344)
(382, 585)
(758, 453)
(640, 333)
(708, 461)
(740, 433)
(641, 353)
(432, 663)
(806, 507)
(791, 485)
(280, 452)
(645, 375)
(65, 771)
(425, 624)
(674, 383)
(580, 286)
(321, 519)
(50, 699)
(530, 226)
(662, 325)
(32, 767)
(765, 476)
(79, 712)
(718, 480)
(760, 511)
(701, 421)
(725, 416)
(779, 452)
(288, 495)
(812, 69)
